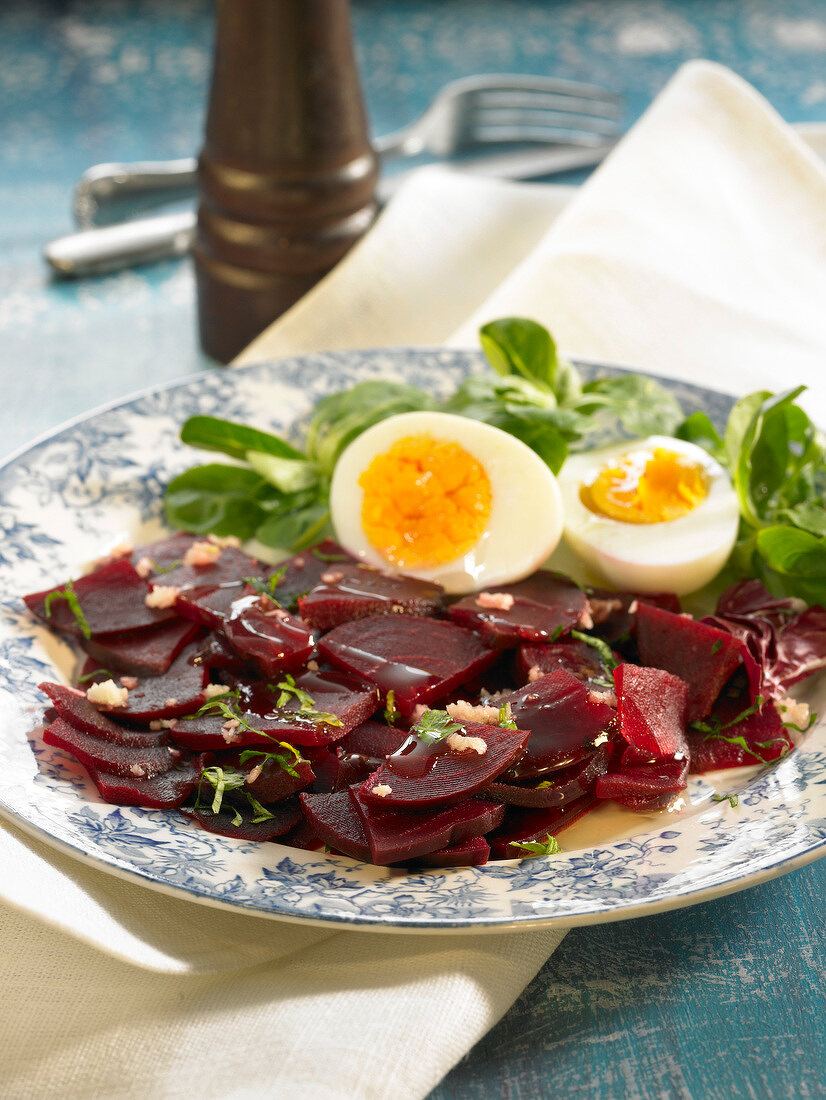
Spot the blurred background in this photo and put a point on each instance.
(83, 81)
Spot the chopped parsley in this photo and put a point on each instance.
(717, 646)
(267, 588)
(506, 718)
(528, 849)
(602, 648)
(732, 799)
(390, 712)
(434, 726)
(223, 780)
(323, 556)
(306, 703)
(67, 593)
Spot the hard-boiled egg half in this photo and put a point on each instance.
(649, 515)
(447, 499)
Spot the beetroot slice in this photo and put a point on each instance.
(112, 599)
(578, 658)
(176, 692)
(419, 660)
(272, 783)
(397, 837)
(530, 826)
(285, 816)
(76, 710)
(761, 738)
(565, 720)
(125, 760)
(335, 820)
(544, 606)
(451, 776)
(211, 608)
(469, 853)
(701, 655)
(302, 572)
(644, 786)
(347, 592)
(565, 787)
(651, 704)
(373, 739)
(229, 566)
(160, 792)
(147, 652)
(271, 639)
(612, 614)
(349, 700)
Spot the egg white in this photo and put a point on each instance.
(679, 555)
(525, 522)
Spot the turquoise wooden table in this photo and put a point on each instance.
(725, 999)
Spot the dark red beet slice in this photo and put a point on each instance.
(397, 837)
(566, 786)
(651, 704)
(701, 655)
(531, 826)
(419, 660)
(229, 565)
(302, 836)
(578, 658)
(142, 762)
(76, 710)
(213, 607)
(176, 692)
(759, 739)
(271, 639)
(112, 599)
(451, 776)
(346, 592)
(269, 782)
(545, 605)
(302, 572)
(160, 792)
(335, 820)
(565, 720)
(611, 611)
(373, 739)
(349, 700)
(143, 652)
(470, 853)
(216, 652)
(643, 787)
(285, 816)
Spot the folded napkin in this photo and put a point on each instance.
(697, 251)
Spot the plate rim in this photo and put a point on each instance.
(486, 923)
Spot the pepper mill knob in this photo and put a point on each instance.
(287, 176)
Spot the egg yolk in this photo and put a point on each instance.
(426, 502)
(647, 487)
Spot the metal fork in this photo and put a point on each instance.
(465, 116)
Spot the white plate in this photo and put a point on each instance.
(69, 497)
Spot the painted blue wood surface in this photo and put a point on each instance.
(721, 1000)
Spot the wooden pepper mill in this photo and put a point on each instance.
(286, 174)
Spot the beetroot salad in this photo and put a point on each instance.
(326, 703)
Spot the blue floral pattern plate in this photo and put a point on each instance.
(70, 497)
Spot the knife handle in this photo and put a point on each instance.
(108, 193)
(127, 244)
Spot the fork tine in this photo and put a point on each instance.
(483, 121)
(524, 98)
(505, 81)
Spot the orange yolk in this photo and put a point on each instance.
(646, 487)
(426, 502)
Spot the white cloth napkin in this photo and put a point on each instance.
(698, 250)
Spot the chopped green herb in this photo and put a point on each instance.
(159, 570)
(556, 634)
(221, 780)
(435, 725)
(717, 646)
(732, 799)
(267, 587)
(801, 729)
(528, 849)
(322, 556)
(602, 648)
(714, 727)
(261, 812)
(67, 593)
(97, 672)
(285, 762)
(506, 718)
(390, 712)
(288, 687)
